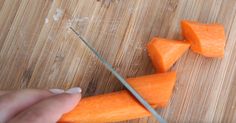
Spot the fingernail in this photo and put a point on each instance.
(56, 91)
(75, 90)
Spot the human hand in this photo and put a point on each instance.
(37, 106)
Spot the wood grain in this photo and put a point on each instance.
(35, 53)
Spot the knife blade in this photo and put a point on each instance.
(121, 79)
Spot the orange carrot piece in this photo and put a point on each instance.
(116, 106)
(155, 88)
(121, 105)
(206, 39)
(164, 52)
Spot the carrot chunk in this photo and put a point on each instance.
(164, 52)
(206, 39)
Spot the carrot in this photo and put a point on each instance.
(116, 106)
(155, 88)
(164, 52)
(206, 39)
(121, 105)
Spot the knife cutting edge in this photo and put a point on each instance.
(121, 79)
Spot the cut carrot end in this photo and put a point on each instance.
(121, 105)
(164, 52)
(206, 39)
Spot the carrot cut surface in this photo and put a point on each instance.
(121, 105)
(164, 52)
(206, 39)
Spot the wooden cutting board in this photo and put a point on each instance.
(37, 50)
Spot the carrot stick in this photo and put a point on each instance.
(165, 52)
(206, 39)
(121, 105)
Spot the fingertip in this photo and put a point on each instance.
(70, 99)
(74, 90)
(56, 91)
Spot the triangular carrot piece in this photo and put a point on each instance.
(164, 52)
(206, 39)
(121, 105)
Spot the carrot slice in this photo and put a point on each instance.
(121, 105)
(206, 39)
(164, 52)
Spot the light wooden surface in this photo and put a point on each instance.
(37, 51)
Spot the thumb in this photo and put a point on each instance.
(51, 109)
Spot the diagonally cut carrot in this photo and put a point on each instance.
(164, 52)
(116, 106)
(155, 88)
(206, 39)
(121, 105)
